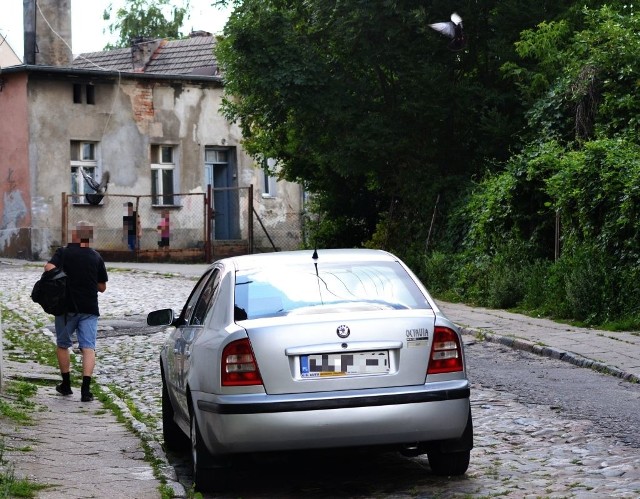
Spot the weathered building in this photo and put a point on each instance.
(148, 115)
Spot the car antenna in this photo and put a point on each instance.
(315, 257)
(315, 264)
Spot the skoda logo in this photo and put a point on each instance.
(343, 331)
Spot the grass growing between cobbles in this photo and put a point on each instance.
(20, 344)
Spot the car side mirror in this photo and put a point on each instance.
(162, 317)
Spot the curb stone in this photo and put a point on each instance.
(555, 353)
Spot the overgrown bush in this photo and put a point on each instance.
(437, 272)
(584, 285)
(587, 285)
(505, 289)
(535, 278)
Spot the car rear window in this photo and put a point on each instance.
(327, 287)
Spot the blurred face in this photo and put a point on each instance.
(82, 235)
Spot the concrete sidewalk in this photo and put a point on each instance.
(75, 449)
(615, 353)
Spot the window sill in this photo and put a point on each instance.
(166, 206)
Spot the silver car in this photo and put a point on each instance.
(312, 350)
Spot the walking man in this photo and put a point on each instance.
(87, 275)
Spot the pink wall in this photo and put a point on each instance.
(15, 198)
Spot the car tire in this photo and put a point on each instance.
(174, 438)
(453, 458)
(448, 464)
(208, 475)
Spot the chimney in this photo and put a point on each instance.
(142, 50)
(197, 33)
(29, 20)
(47, 26)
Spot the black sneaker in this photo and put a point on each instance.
(86, 397)
(63, 390)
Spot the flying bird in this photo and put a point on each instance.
(99, 187)
(452, 29)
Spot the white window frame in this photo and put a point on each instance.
(162, 174)
(214, 156)
(269, 182)
(86, 156)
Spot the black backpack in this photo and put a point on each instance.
(51, 290)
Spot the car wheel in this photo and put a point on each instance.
(208, 475)
(174, 438)
(448, 464)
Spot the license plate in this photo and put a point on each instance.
(344, 364)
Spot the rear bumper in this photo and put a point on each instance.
(249, 407)
(258, 422)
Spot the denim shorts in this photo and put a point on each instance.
(85, 325)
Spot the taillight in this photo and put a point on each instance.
(446, 354)
(239, 367)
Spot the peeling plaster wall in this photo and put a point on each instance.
(54, 120)
(128, 116)
(282, 212)
(15, 188)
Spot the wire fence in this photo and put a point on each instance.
(189, 229)
(281, 234)
(128, 227)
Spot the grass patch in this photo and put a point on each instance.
(10, 486)
(15, 405)
(135, 412)
(23, 391)
(15, 402)
(13, 412)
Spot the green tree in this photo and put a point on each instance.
(583, 127)
(362, 102)
(146, 19)
(580, 162)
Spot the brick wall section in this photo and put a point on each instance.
(142, 101)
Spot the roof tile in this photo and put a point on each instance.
(172, 57)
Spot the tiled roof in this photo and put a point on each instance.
(111, 60)
(191, 56)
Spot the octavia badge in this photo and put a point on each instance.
(343, 331)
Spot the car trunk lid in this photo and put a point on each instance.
(326, 352)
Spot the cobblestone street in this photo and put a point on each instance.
(520, 450)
